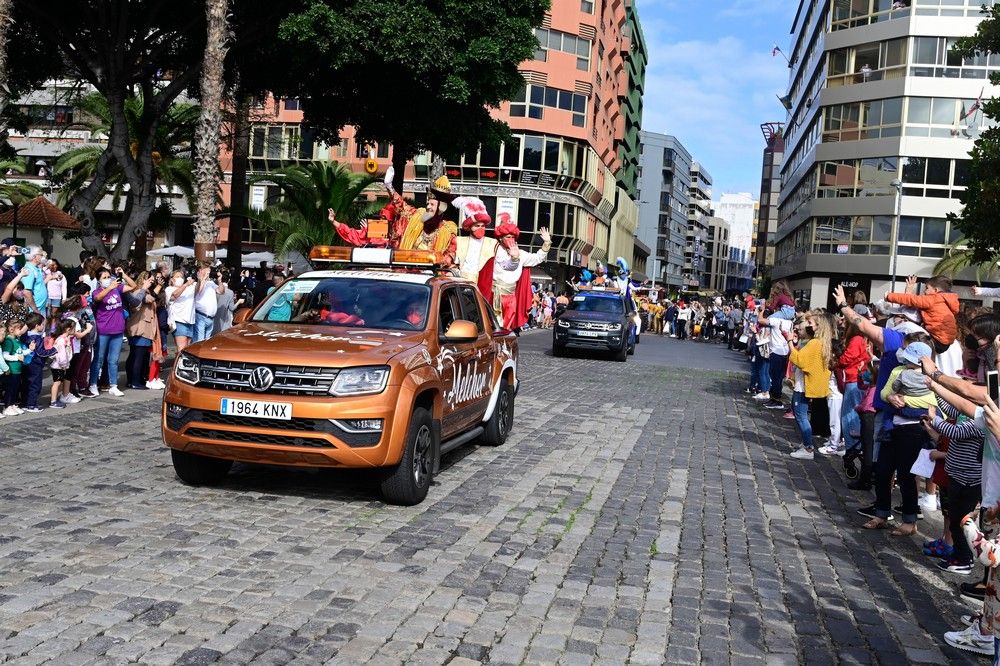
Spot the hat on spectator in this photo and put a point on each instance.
(915, 351)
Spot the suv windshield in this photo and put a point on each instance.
(347, 302)
(588, 303)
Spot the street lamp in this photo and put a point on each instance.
(898, 185)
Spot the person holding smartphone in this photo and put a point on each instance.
(109, 316)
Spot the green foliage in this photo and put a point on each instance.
(415, 73)
(960, 257)
(173, 166)
(17, 192)
(981, 199)
(299, 220)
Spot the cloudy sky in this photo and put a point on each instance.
(711, 80)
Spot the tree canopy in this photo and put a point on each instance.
(981, 199)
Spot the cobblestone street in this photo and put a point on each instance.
(638, 514)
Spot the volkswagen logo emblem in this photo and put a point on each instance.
(261, 378)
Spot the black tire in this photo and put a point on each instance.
(558, 350)
(196, 470)
(408, 482)
(637, 338)
(631, 349)
(498, 427)
(622, 354)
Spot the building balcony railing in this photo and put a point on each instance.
(863, 76)
(841, 22)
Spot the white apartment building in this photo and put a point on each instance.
(739, 209)
(883, 114)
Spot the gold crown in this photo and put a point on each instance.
(442, 184)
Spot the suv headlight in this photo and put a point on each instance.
(615, 327)
(562, 323)
(360, 381)
(187, 369)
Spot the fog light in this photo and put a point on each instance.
(176, 411)
(358, 425)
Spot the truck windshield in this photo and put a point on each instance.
(351, 302)
(607, 304)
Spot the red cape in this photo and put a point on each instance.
(522, 291)
(485, 281)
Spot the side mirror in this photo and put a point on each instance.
(461, 330)
(241, 315)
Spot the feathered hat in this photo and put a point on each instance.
(474, 210)
(506, 227)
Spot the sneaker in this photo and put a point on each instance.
(159, 385)
(954, 566)
(899, 509)
(58, 404)
(115, 392)
(929, 502)
(33, 410)
(773, 404)
(974, 592)
(92, 392)
(971, 619)
(70, 399)
(832, 450)
(788, 415)
(763, 395)
(970, 640)
(11, 411)
(802, 454)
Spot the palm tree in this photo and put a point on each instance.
(958, 257)
(17, 192)
(209, 123)
(171, 155)
(299, 220)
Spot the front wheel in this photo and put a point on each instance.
(622, 354)
(196, 470)
(558, 350)
(498, 427)
(408, 482)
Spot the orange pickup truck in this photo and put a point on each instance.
(383, 363)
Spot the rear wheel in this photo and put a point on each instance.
(196, 470)
(498, 427)
(408, 482)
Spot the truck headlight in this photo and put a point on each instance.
(615, 327)
(187, 368)
(360, 381)
(561, 323)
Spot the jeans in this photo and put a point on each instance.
(961, 500)
(897, 456)
(32, 382)
(760, 377)
(12, 384)
(819, 417)
(109, 348)
(850, 422)
(800, 407)
(777, 366)
(996, 651)
(137, 365)
(867, 445)
(79, 370)
(202, 327)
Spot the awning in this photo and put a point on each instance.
(538, 275)
(41, 148)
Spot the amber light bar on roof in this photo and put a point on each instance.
(372, 256)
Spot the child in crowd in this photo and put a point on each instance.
(13, 354)
(63, 346)
(811, 362)
(938, 307)
(34, 368)
(84, 337)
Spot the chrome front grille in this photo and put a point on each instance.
(590, 325)
(288, 379)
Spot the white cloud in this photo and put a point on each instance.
(713, 94)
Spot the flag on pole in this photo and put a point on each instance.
(775, 51)
(975, 106)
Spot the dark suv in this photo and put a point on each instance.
(600, 320)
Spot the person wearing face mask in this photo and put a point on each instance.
(811, 363)
(180, 308)
(109, 316)
(983, 330)
(474, 253)
(511, 283)
(426, 228)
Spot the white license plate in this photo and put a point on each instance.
(591, 334)
(256, 409)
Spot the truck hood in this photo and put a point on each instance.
(293, 344)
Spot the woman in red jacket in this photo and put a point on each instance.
(853, 361)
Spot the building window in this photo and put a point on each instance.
(587, 6)
(556, 40)
(292, 104)
(340, 150)
(275, 142)
(535, 99)
(943, 117)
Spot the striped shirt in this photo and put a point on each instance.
(964, 460)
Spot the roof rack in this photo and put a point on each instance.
(375, 257)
